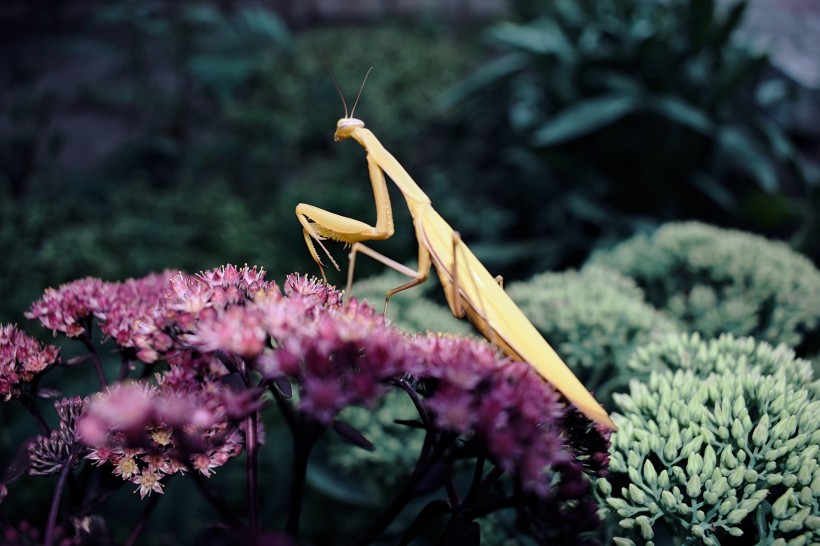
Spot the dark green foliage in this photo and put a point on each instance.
(611, 114)
(227, 124)
(715, 280)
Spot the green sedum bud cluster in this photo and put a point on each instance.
(708, 452)
(717, 280)
(594, 318)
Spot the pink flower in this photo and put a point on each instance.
(68, 308)
(148, 481)
(21, 358)
(128, 301)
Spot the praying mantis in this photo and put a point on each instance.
(470, 290)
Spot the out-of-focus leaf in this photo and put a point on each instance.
(771, 92)
(683, 113)
(716, 192)
(351, 435)
(780, 145)
(263, 22)
(543, 37)
(481, 79)
(731, 21)
(749, 156)
(584, 118)
(338, 487)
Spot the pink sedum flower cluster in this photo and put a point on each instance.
(21, 358)
(147, 432)
(505, 404)
(230, 321)
(117, 305)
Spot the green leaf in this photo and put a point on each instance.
(544, 37)
(716, 191)
(478, 81)
(333, 485)
(683, 113)
(731, 22)
(584, 118)
(750, 157)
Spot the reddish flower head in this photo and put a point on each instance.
(21, 358)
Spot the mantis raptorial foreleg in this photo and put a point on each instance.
(319, 224)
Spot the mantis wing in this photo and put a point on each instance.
(493, 312)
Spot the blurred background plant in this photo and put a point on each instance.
(613, 115)
(140, 136)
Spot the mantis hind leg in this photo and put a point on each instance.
(457, 302)
(417, 276)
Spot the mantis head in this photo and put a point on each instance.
(345, 127)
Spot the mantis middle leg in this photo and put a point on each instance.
(417, 276)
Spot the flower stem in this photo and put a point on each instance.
(143, 521)
(95, 358)
(58, 495)
(252, 468)
(303, 440)
(29, 400)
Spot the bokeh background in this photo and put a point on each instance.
(140, 135)
(137, 136)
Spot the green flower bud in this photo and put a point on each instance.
(736, 476)
(668, 499)
(604, 487)
(673, 444)
(650, 475)
(710, 497)
(663, 479)
(727, 458)
(709, 461)
(727, 506)
(736, 516)
(636, 494)
(627, 523)
(645, 527)
(781, 505)
(734, 531)
(692, 446)
(720, 486)
(693, 486)
(617, 504)
(804, 475)
(694, 464)
(761, 431)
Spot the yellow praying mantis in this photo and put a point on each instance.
(469, 288)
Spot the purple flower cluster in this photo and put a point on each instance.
(21, 359)
(228, 333)
(117, 305)
(212, 311)
(147, 432)
(507, 405)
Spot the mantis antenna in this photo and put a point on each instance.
(360, 92)
(339, 89)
